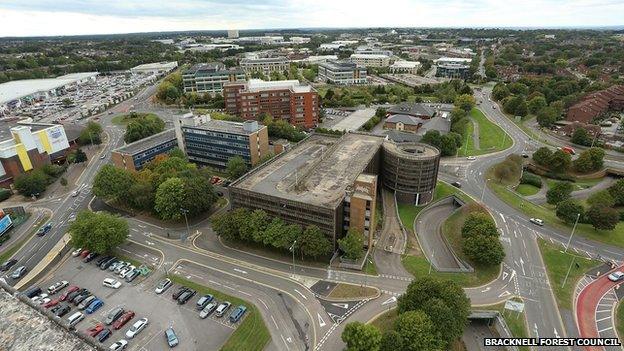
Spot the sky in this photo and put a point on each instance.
(76, 17)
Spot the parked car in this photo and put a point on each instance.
(471, 158)
(126, 271)
(187, 295)
(38, 298)
(113, 315)
(136, 328)
(203, 301)
(78, 299)
(223, 308)
(63, 310)
(76, 252)
(172, 338)
(456, 184)
(537, 221)
(52, 303)
(123, 320)
(121, 266)
(32, 292)
(7, 265)
(69, 290)
(56, 287)
(101, 260)
(95, 330)
(108, 263)
(119, 345)
(237, 314)
(90, 257)
(84, 253)
(104, 334)
(163, 285)
(208, 309)
(132, 275)
(86, 302)
(111, 283)
(72, 296)
(75, 193)
(616, 276)
(44, 230)
(44, 300)
(75, 319)
(19, 272)
(181, 290)
(94, 306)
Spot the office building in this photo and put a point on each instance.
(331, 181)
(451, 67)
(414, 109)
(232, 33)
(289, 100)
(157, 68)
(342, 73)
(265, 65)
(402, 66)
(134, 156)
(370, 60)
(367, 50)
(209, 78)
(30, 147)
(213, 143)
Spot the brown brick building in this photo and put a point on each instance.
(595, 104)
(285, 99)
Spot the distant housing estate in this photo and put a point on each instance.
(597, 103)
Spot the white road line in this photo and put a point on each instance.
(603, 311)
(605, 329)
(302, 295)
(244, 293)
(602, 319)
(285, 343)
(274, 322)
(263, 303)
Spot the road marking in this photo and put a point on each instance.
(263, 303)
(213, 282)
(284, 340)
(504, 221)
(302, 295)
(341, 305)
(603, 311)
(556, 333)
(605, 329)
(535, 330)
(244, 293)
(135, 230)
(240, 271)
(390, 300)
(321, 321)
(505, 274)
(505, 293)
(522, 265)
(274, 322)
(602, 319)
(488, 288)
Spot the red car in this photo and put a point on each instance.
(69, 290)
(123, 320)
(84, 254)
(52, 303)
(95, 330)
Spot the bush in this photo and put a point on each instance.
(568, 210)
(4, 194)
(603, 218)
(479, 223)
(559, 192)
(485, 250)
(531, 179)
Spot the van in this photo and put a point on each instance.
(53, 289)
(32, 292)
(75, 318)
(238, 313)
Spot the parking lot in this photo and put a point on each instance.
(139, 296)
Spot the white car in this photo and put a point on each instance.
(119, 345)
(120, 266)
(537, 221)
(39, 298)
(126, 271)
(44, 300)
(163, 285)
(111, 283)
(77, 252)
(616, 276)
(471, 158)
(136, 328)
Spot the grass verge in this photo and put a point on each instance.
(18, 245)
(350, 291)
(492, 138)
(527, 189)
(122, 120)
(557, 265)
(619, 320)
(385, 322)
(514, 320)
(419, 267)
(251, 335)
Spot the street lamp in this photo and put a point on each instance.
(578, 215)
(484, 186)
(188, 231)
(292, 249)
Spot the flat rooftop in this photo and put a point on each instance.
(18, 89)
(147, 143)
(411, 150)
(225, 126)
(255, 85)
(316, 171)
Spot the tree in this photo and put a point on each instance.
(479, 223)
(601, 198)
(98, 232)
(236, 167)
(142, 126)
(352, 244)
(198, 195)
(314, 243)
(590, 160)
(568, 210)
(485, 250)
(92, 134)
(361, 337)
(546, 117)
(465, 102)
(581, 136)
(542, 156)
(417, 331)
(507, 170)
(560, 161)
(112, 183)
(170, 198)
(254, 227)
(516, 105)
(391, 341)
(603, 218)
(536, 104)
(228, 224)
(80, 156)
(500, 91)
(561, 191)
(176, 152)
(31, 184)
(423, 292)
(617, 191)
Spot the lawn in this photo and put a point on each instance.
(252, 334)
(370, 268)
(579, 184)
(527, 189)
(619, 319)
(385, 321)
(614, 237)
(468, 147)
(17, 245)
(351, 291)
(419, 267)
(127, 118)
(557, 265)
(492, 138)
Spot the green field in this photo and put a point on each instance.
(127, 118)
(619, 319)
(527, 189)
(251, 335)
(419, 267)
(492, 138)
(579, 184)
(557, 265)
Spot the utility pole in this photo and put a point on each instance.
(578, 215)
(568, 273)
(188, 231)
(292, 249)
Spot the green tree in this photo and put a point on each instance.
(479, 223)
(31, 184)
(391, 341)
(63, 181)
(314, 243)
(199, 196)
(542, 156)
(142, 127)
(92, 134)
(417, 331)
(560, 161)
(581, 136)
(603, 218)
(485, 250)
(568, 210)
(589, 160)
(236, 167)
(500, 91)
(352, 244)
(601, 198)
(254, 227)
(561, 191)
(98, 232)
(80, 157)
(536, 104)
(465, 102)
(546, 117)
(228, 224)
(170, 199)
(176, 152)
(112, 183)
(617, 191)
(361, 337)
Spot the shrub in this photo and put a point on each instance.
(559, 192)
(4, 194)
(485, 250)
(531, 179)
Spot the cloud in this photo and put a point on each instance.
(66, 17)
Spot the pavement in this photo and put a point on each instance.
(428, 228)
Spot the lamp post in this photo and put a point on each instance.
(483, 191)
(188, 231)
(578, 215)
(292, 249)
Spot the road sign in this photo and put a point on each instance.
(514, 306)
